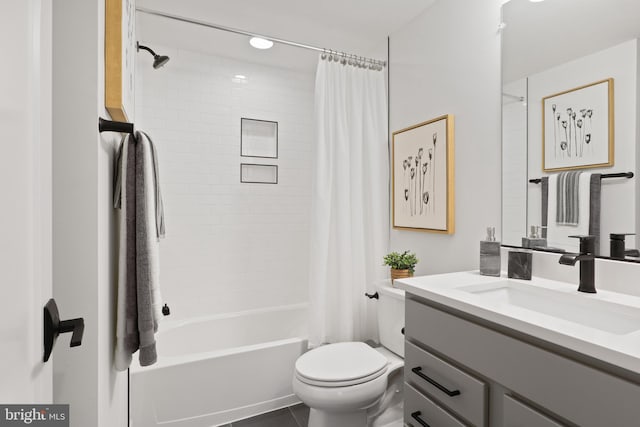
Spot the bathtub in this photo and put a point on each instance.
(217, 369)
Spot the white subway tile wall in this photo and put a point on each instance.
(230, 246)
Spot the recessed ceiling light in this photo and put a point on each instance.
(239, 78)
(260, 43)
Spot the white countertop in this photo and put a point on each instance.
(613, 346)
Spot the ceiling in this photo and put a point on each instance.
(539, 36)
(354, 26)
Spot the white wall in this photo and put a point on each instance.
(84, 258)
(447, 60)
(618, 212)
(230, 246)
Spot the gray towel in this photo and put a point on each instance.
(132, 340)
(147, 324)
(567, 196)
(544, 182)
(137, 192)
(117, 184)
(159, 206)
(595, 189)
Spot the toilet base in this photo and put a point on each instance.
(319, 418)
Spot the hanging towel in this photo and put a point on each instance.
(588, 217)
(117, 185)
(137, 193)
(568, 198)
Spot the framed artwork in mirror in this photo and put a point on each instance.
(120, 51)
(422, 171)
(577, 128)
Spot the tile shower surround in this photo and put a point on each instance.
(227, 243)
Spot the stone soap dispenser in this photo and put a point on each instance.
(535, 239)
(490, 254)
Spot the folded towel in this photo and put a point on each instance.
(558, 233)
(137, 192)
(568, 198)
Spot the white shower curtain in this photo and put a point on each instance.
(349, 225)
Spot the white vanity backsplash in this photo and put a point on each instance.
(616, 276)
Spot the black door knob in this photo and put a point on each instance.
(53, 327)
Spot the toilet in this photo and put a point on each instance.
(352, 384)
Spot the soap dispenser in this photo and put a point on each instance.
(490, 254)
(535, 239)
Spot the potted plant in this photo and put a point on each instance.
(402, 264)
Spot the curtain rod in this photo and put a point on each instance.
(250, 34)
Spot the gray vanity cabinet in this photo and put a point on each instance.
(482, 375)
(519, 414)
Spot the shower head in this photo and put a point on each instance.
(158, 60)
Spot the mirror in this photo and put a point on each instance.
(556, 55)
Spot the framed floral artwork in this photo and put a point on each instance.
(577, 128)
(423, 172)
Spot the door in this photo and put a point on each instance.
(25, 198)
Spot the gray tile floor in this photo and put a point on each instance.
(293, 416)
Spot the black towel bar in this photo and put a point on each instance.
(604, 175)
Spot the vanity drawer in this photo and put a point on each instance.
(574, 391)
(420, 411)
(453, 388)
(518, 414)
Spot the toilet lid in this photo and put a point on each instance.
(341, 364)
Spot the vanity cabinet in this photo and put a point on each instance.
(516, 413)
(480, 375)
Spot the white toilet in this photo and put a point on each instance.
(351, 384)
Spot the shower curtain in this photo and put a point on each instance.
(350, 211)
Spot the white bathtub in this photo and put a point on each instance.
(217, 369)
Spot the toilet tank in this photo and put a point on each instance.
(391, 317)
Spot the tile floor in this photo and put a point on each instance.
(293, 416)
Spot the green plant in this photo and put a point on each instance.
(401, 261)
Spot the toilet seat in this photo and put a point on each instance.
(340, 365)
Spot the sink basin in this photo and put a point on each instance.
(585, 310)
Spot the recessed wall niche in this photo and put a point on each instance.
(258, 138)
(258, 174)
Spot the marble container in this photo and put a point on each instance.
(519, 265)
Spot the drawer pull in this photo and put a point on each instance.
(416, 416)
(418, 371)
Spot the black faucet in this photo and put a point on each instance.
(587, 263)
(617, 250)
